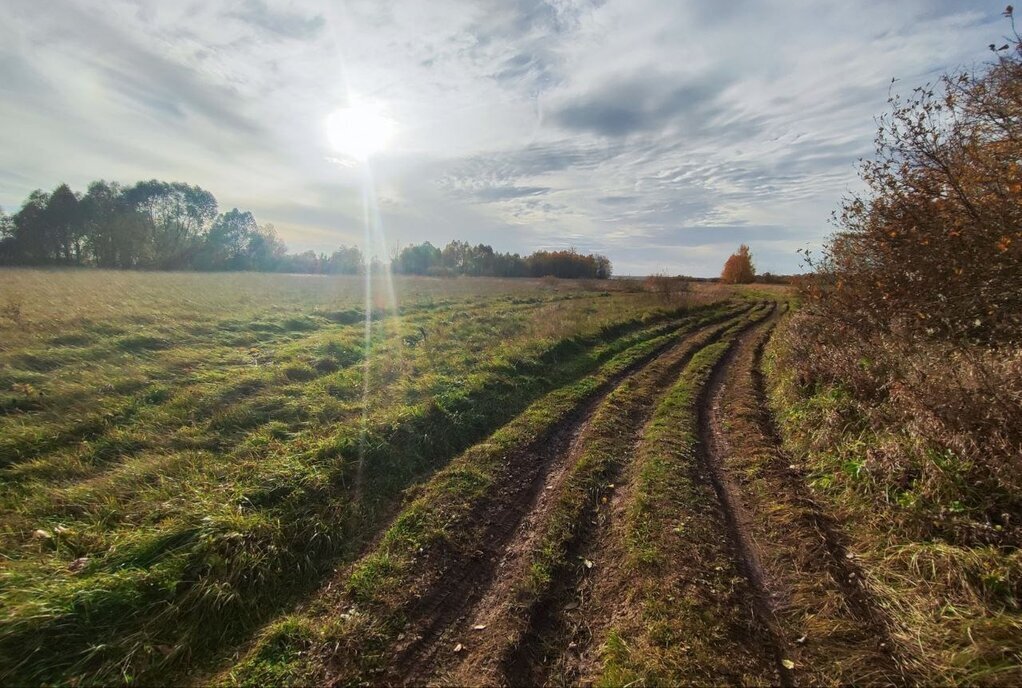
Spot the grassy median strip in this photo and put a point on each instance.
(687, 617)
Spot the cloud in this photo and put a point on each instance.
(283, 23)
(644, 103)
(503, 193)
(662, 134)
(120, 64)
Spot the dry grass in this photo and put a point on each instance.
(827, 625)
(914, 446)
(36, 302)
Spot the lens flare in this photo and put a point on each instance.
(359, 130)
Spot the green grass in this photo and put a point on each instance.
(609, 445)
(439, 519)
(953, 605)
(184, 456)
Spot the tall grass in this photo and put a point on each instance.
(178, 453)
(914, 446)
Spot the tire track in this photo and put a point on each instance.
(844, 571)
(553, 644)
(513, 612)
(712, 452)
(459, 589)
(821, 623)
(833, 625)
(666, 602)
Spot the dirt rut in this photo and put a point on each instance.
(461, 584)
(561, 632)
(713, 450)
(503, 637)
(821, 619)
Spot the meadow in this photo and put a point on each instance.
(184, 455)
(466, 467)
(255, 479)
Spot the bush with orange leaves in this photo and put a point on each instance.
(936, 244)
(898, 383)
(915, 309)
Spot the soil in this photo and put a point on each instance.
(437, 634)
(468, 627)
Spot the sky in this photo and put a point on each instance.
(661, 133)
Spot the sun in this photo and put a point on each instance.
(359, 130)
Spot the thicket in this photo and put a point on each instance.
(915, 308)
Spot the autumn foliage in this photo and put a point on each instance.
(739, 268)
(935, 245)
(913, 315)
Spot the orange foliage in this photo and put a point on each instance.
(936, 243)
(739, 268)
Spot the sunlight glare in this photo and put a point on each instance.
(359, 130)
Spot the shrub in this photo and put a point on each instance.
(935, 244)
(914, 310)
(665, 287)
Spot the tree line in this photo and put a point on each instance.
(461, 258)
(158, 225)
(152, 225)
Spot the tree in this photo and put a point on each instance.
(510, 265)
(114, 233)
(33, 244)
(175, 226)
(177, 217)
(739, 268)
(265, 249)
(7, 243)
(346, 260)
(418, 259)
(479, 260)
(226, 246)
(308, 262)
(455, 256)
(63, 220)
(568, 264)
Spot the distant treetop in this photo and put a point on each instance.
(739, 268)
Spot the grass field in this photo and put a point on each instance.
(185, 455)
(240, 479)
